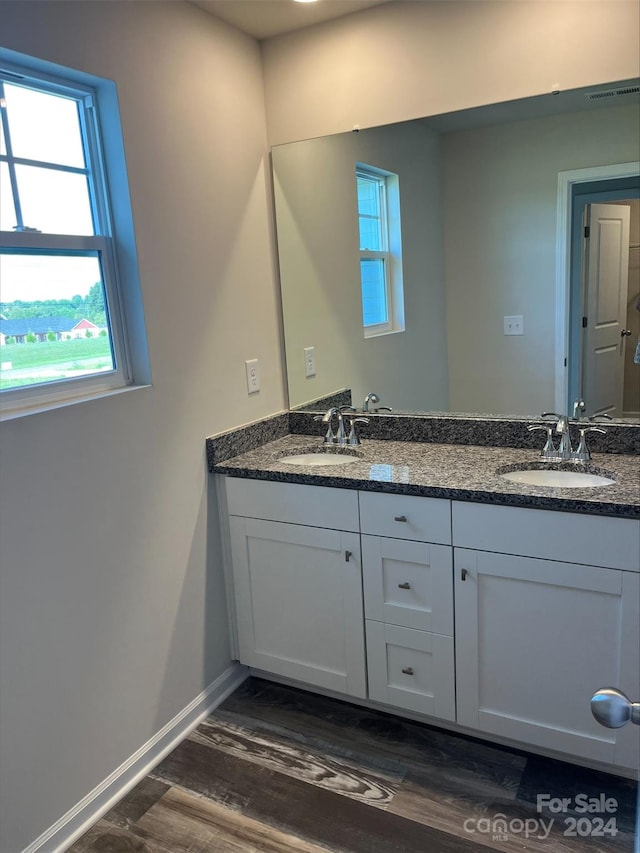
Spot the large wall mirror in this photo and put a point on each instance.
(482, 248)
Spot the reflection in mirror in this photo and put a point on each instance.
(480, 231)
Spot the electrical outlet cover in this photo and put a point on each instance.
(309, 361)
(253, 375)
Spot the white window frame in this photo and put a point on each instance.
(391, 252)
(131, 362)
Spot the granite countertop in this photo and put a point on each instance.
(458, 472)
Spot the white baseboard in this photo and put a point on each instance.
(91, 808)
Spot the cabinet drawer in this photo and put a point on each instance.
(564, 536)
(406, 517)
(315, 506)
(408, 583)
(411, 669)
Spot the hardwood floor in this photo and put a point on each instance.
(279, 770)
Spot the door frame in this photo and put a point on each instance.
(566, 182)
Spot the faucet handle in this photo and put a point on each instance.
(603, 415)
(353, 437)
(548, 451)
(582, 454)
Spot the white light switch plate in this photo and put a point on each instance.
(253, 375)
(514, 325)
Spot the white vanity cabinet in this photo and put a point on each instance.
(545, 607)
(537, 636)
(408, 592)
(295, 552)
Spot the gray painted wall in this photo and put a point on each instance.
(411, 59)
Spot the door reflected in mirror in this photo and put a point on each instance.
(480, 224)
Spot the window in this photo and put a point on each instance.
(62, 303)
(380, 251)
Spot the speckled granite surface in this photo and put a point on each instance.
(481, 430)
(484, 430)
(444, 470)
(242, 439)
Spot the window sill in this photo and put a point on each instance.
(37, 408)
(381, 334)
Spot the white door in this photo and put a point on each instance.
(605, 307)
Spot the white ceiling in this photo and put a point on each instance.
(265, 18)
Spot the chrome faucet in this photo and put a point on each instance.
(579, 408)
(339, 436)
(564, 451)
(373, 398)
(562, 429)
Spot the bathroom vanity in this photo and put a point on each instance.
(418, 580)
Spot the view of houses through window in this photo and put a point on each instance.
(71, 333)
(57, 276)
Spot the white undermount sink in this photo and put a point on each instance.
(317, 460)
(559, 479)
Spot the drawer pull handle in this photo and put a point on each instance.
(400, 518)
(404, 585)
(408, 670)
(347, 556)
(463, 574)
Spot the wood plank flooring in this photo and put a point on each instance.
(279, 770)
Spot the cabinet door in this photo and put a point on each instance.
(408, 583)
(534, 640)
(298, 594)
